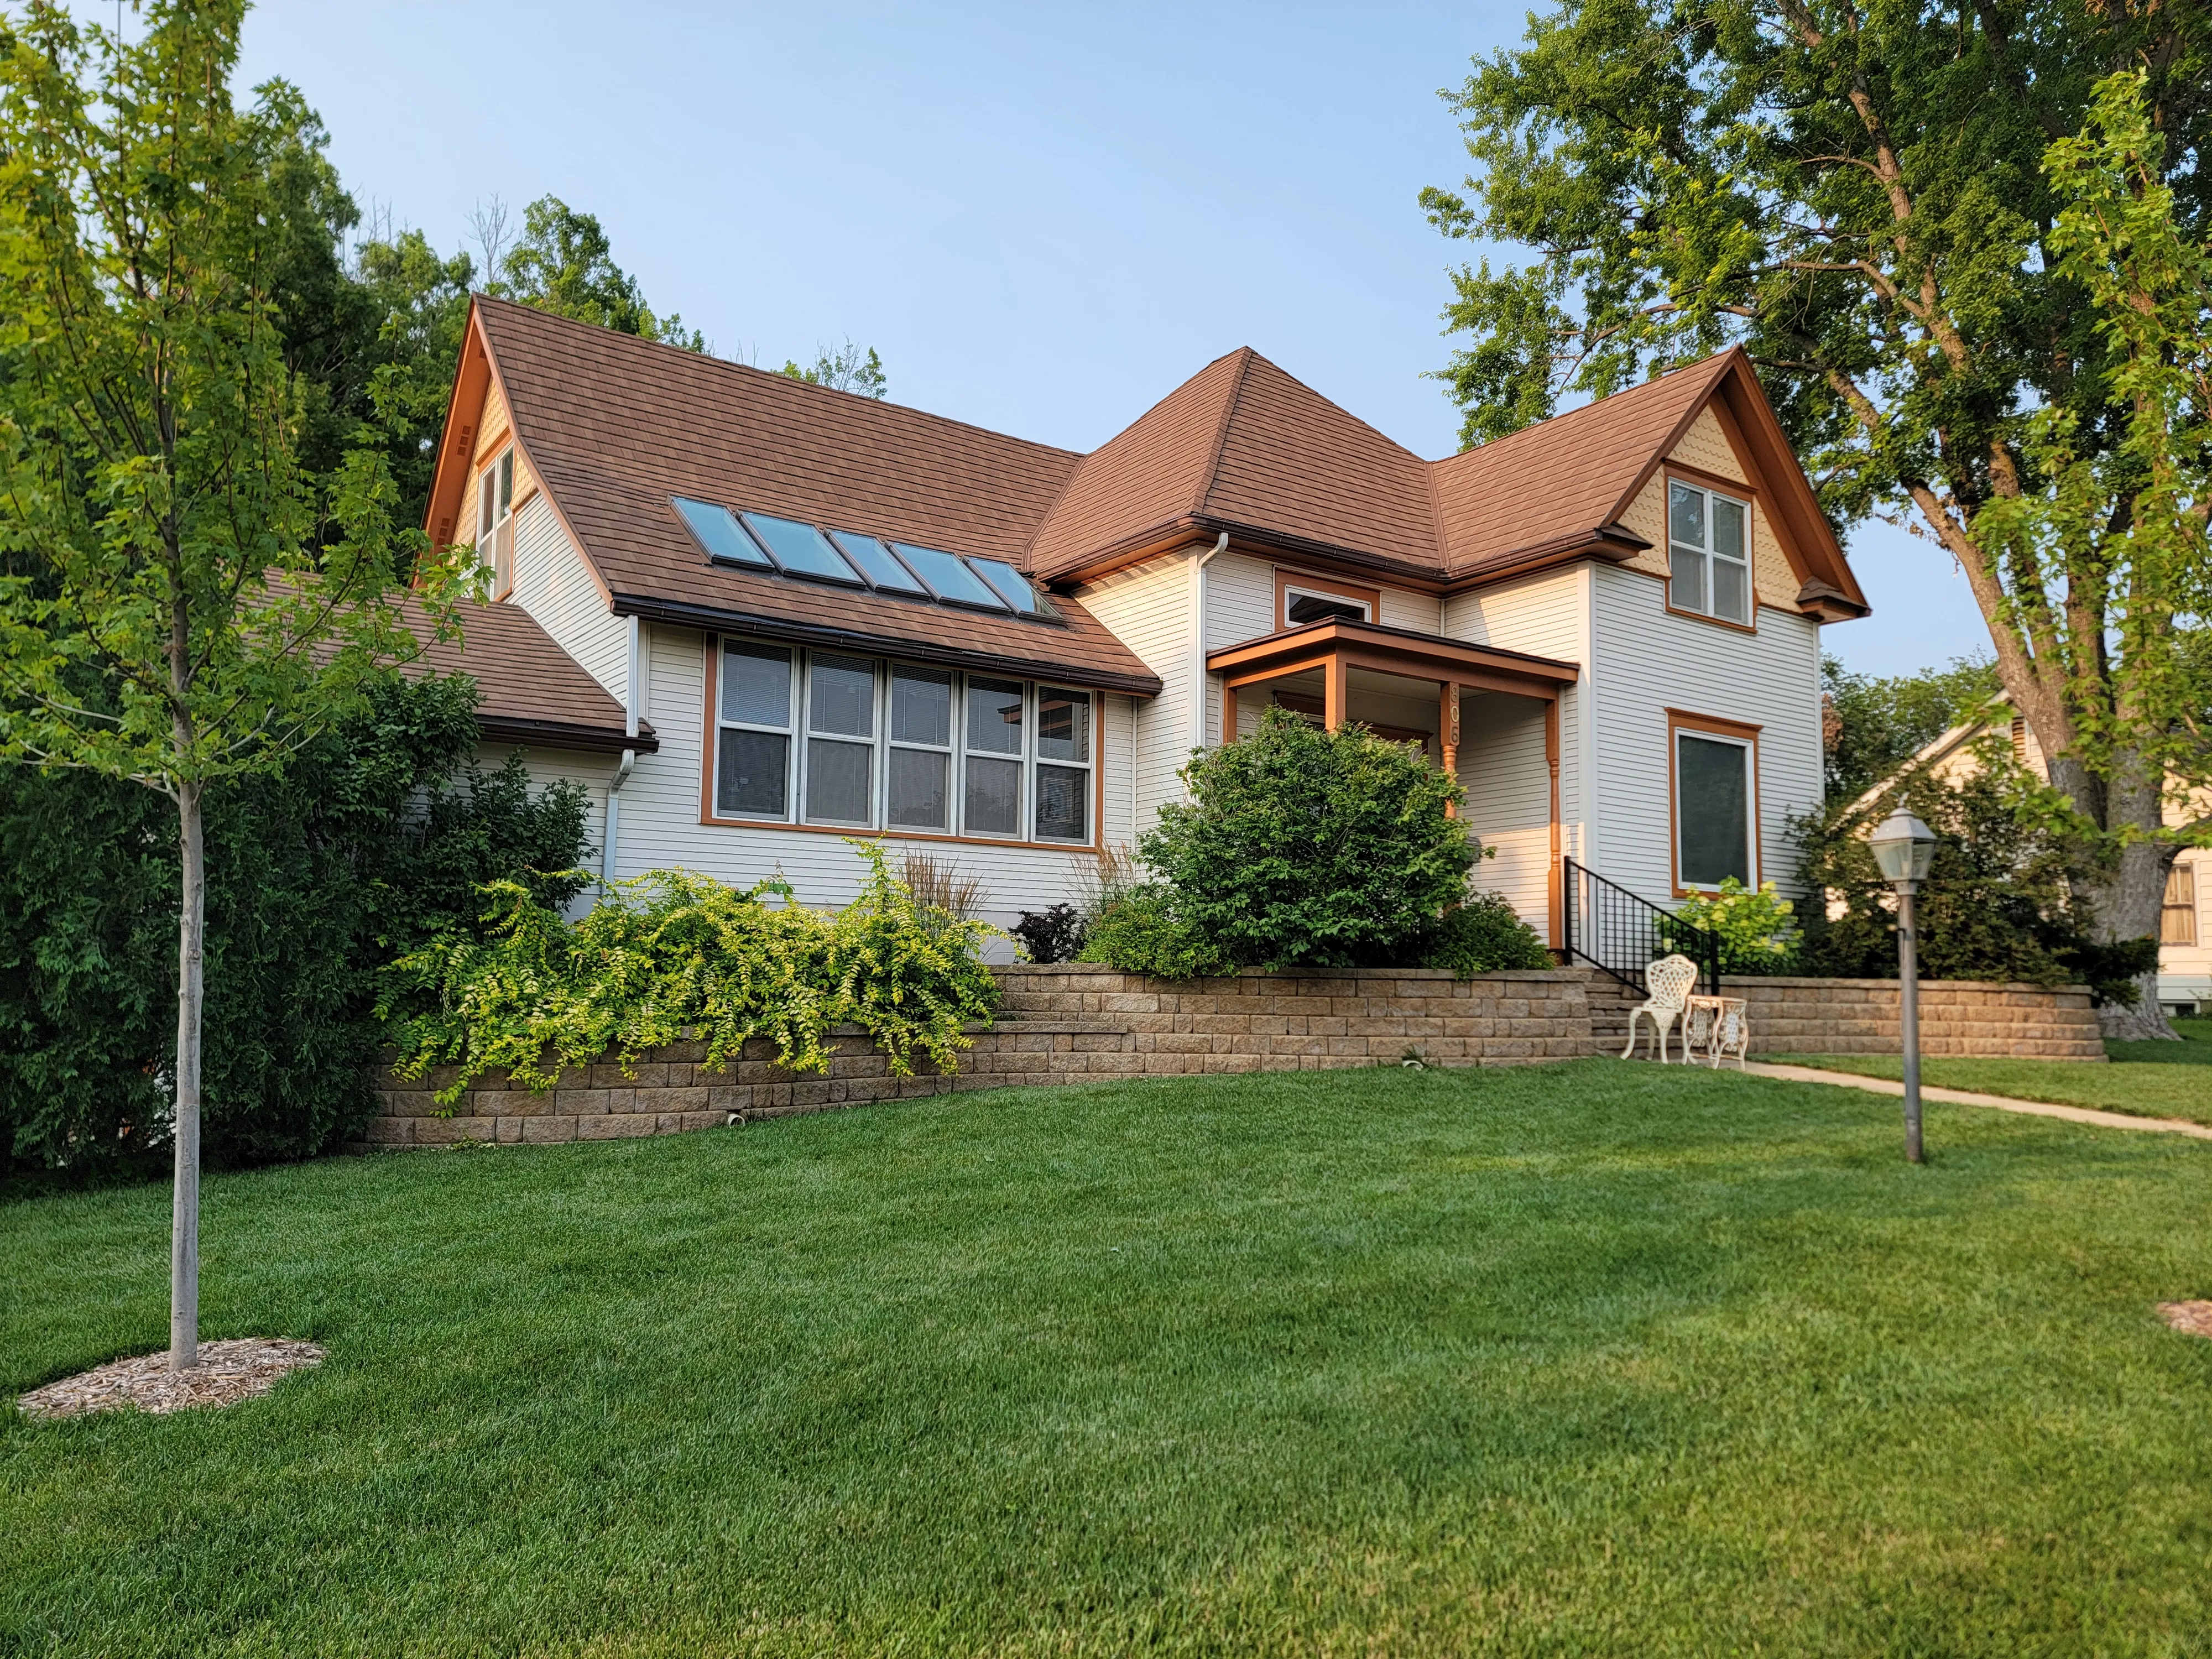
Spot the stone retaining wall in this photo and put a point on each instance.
(1060, 1024)
(1957, 1017)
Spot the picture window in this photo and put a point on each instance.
(1716, 825)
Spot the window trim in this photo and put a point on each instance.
(1326, 587)
(880, 829)
(1727, 731)
(1746, 496)
(793, 731)
(502, 459)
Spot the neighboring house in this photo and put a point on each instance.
(824, 616)
(2184, 932)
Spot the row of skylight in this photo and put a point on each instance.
(759, 541)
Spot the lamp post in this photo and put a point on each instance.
(1904, 848)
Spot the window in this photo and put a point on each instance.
(800, 549)
(2177, 920)
(716, 530)
(879, 564)
(1716, 819)
(853, 743)
(1302, 600)
(752, 764)
(949, 579)
(1709, 553)
(496, 522)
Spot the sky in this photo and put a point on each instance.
(1044, 218)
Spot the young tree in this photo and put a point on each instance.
(1859, 198)
(182, 601)
(564, 264)
(845, 369)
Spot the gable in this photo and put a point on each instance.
(1705, 455)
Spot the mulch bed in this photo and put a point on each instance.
(2190, 1318)
(229, 1372)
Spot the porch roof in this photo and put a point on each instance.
(1391, 651)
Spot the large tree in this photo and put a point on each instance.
(1895, 209)
(184, 598)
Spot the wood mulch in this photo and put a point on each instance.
(2190, 1318)
(229, 1372)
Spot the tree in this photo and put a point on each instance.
(844, 370)
(564, 264)
(1872, 725)
(183, 602)
(1952, 323)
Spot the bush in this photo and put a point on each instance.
(1483, 935)
(1301, 847)
(1054, 935)
(1999, 902)
(1756, 929)
(1144, 930)
(669, 954)
(374, 838)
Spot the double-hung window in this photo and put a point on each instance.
(1709, 553)
(496, 522)
(2176, 917)
(1716, 809)
(854, 743)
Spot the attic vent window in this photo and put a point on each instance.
(790, 547)
(1301, 606)
(1709, 553)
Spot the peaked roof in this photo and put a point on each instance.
(615, 426)
(529, 690)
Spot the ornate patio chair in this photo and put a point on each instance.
(1668, 980)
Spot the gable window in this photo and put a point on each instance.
(853, 743)
(2177, 918)
(1302, 600)
(496, 522)
(1709, 553)
(1715, 781)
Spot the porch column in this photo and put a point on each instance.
(1448, 730)
(1334, 674)
(1558, 883)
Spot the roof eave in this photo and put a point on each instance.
(565, 734)
(1255, 539)
(1614, 543)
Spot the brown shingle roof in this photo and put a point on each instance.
(615, 426)
(529, 690)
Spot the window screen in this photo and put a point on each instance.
(1712, 810)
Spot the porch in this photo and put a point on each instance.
(1489, 716)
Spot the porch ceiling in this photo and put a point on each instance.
(1399, 651)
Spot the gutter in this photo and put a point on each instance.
(1201, 684)
(628, 762)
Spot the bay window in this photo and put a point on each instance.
(853, 743)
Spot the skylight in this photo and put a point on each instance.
(801, 549)
(879, 564)
(717, 530)
(949, 579)
(792, 547)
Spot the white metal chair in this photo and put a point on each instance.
(1668, 980)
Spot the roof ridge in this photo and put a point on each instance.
(778, 377)
(1244, 355)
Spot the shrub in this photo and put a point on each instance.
(1757, 928)
(1483, 935)
(671, 953)
(1301, 847)
(374, 839)
(1144, 930)
(1054, 935)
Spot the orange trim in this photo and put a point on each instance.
(1287, 579)
(449, 481)
(710, 727)
(1679, 720)
(1336, 697)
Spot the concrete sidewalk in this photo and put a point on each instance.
(1879, 1086)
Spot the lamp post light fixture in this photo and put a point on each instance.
(1904, 848)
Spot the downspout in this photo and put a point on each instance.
(1202, 692)
(628, 757)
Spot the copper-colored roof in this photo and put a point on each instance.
(616, 425)
(529, 690)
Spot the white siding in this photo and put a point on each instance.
(1547, 615)
(1148, 608)
(1508, 798)
(1654, 661)
(1404, 608)
(557, 588)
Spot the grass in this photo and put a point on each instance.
(2147, 1079)
(2199, 1031)
(1598, 1358)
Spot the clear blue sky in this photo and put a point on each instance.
(1043, 217)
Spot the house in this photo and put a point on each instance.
(817, 616)
(2185, 939)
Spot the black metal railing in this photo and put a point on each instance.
(1618, 934)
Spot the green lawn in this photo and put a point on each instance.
(1585, 1359)
(2149, 1079)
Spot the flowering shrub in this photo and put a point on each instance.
(670, 955)
(1756, 928)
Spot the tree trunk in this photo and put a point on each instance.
(2128, 907)
(185, 1222)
